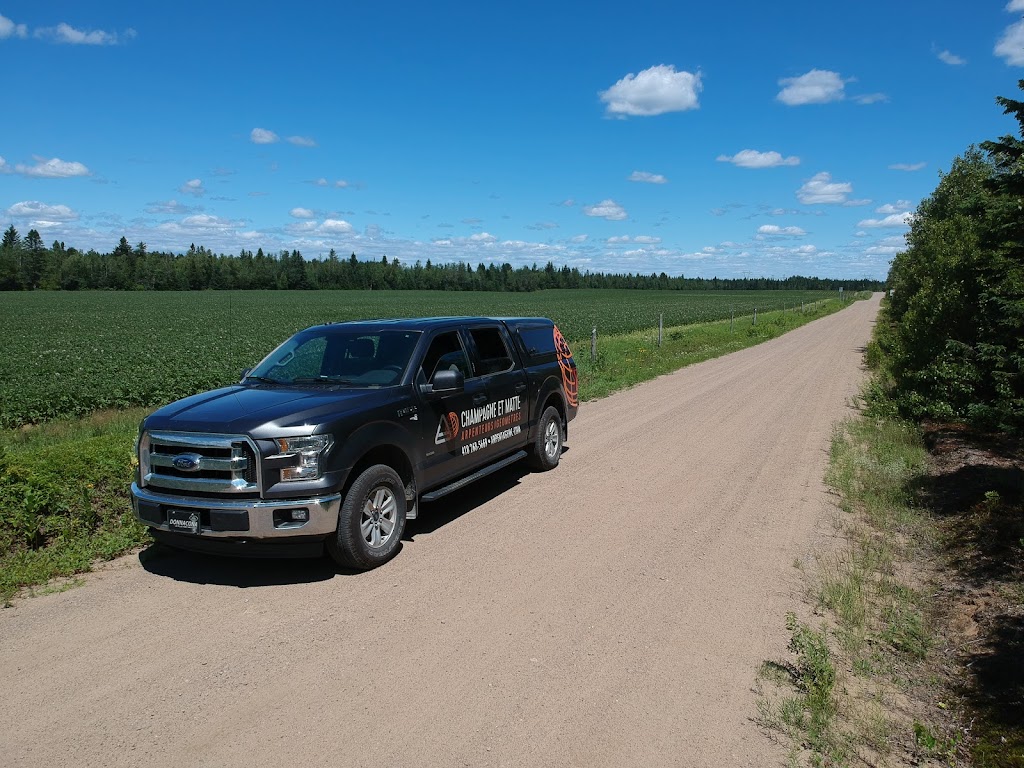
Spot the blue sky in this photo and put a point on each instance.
(724, 139)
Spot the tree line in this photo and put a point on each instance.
(955, 338)
(27, 264)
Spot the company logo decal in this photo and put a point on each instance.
(570, 379)
(484, 425)
(447, 428)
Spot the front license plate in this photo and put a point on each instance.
(183, 520)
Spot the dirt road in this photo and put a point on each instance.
(610, 613)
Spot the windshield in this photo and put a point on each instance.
(339, 356)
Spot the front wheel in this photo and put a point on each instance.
(371, 520)
(547, 445)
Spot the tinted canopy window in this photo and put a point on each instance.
(538, 342)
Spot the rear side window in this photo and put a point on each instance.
(493, 355)
(538, 344)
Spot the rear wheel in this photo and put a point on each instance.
(547, 445)
(371, 520)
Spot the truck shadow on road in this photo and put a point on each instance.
(197, 568)
(437, 514)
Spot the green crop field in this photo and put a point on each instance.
(68, 354)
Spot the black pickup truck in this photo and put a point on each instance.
(340, 433)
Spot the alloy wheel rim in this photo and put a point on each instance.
(551, 440)
(378, 520)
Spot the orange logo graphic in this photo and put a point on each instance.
(447, 428)
(570, 380)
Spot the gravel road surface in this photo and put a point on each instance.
(612, 612)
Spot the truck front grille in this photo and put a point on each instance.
(199, 464)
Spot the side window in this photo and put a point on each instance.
(445, 353)
(493, 355)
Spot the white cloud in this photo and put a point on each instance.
(895, 220)
(193, 187)
(483, 237)
(857, 203)
(819, 86)
(1011, 45)
(9, 29)
(301, 141)
(1015, 5)
(300, 228)
(65, 33)
(882, 250)
(647, 178)
(898, 207)
(206, 221)
(52, 169)
(653, 91)
(33, 209)
(907, 166)
(775, 229)
(639, 240)
(606, 209)
(301, 213)
(171, 207)
(870, 98)
(263, 136)
(578, 238)
(947, 57)
(751, 158)
(897, 240)
(821, 189)
(335, 227)
(341, 183)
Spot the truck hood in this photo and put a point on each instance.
(262, 411)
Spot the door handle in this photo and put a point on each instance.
(479, 399)
(520, 388)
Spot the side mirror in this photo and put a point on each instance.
(445, 383)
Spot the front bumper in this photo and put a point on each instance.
(241, 519)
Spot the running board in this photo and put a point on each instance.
(446, 489)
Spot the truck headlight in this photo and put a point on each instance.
(141, 449)
(305, 453)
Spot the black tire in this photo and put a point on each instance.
(371, 520)
(547, 444)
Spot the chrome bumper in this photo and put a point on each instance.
(323, 514)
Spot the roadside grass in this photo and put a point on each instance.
(629, 359)
(64, 485)
(63, 498)
(889, 704)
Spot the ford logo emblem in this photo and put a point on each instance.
(187, 462)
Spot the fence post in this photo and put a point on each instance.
(661, 328)
(593, 344)
(755, 316)
(732, 318)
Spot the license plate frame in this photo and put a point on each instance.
(187, 521)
